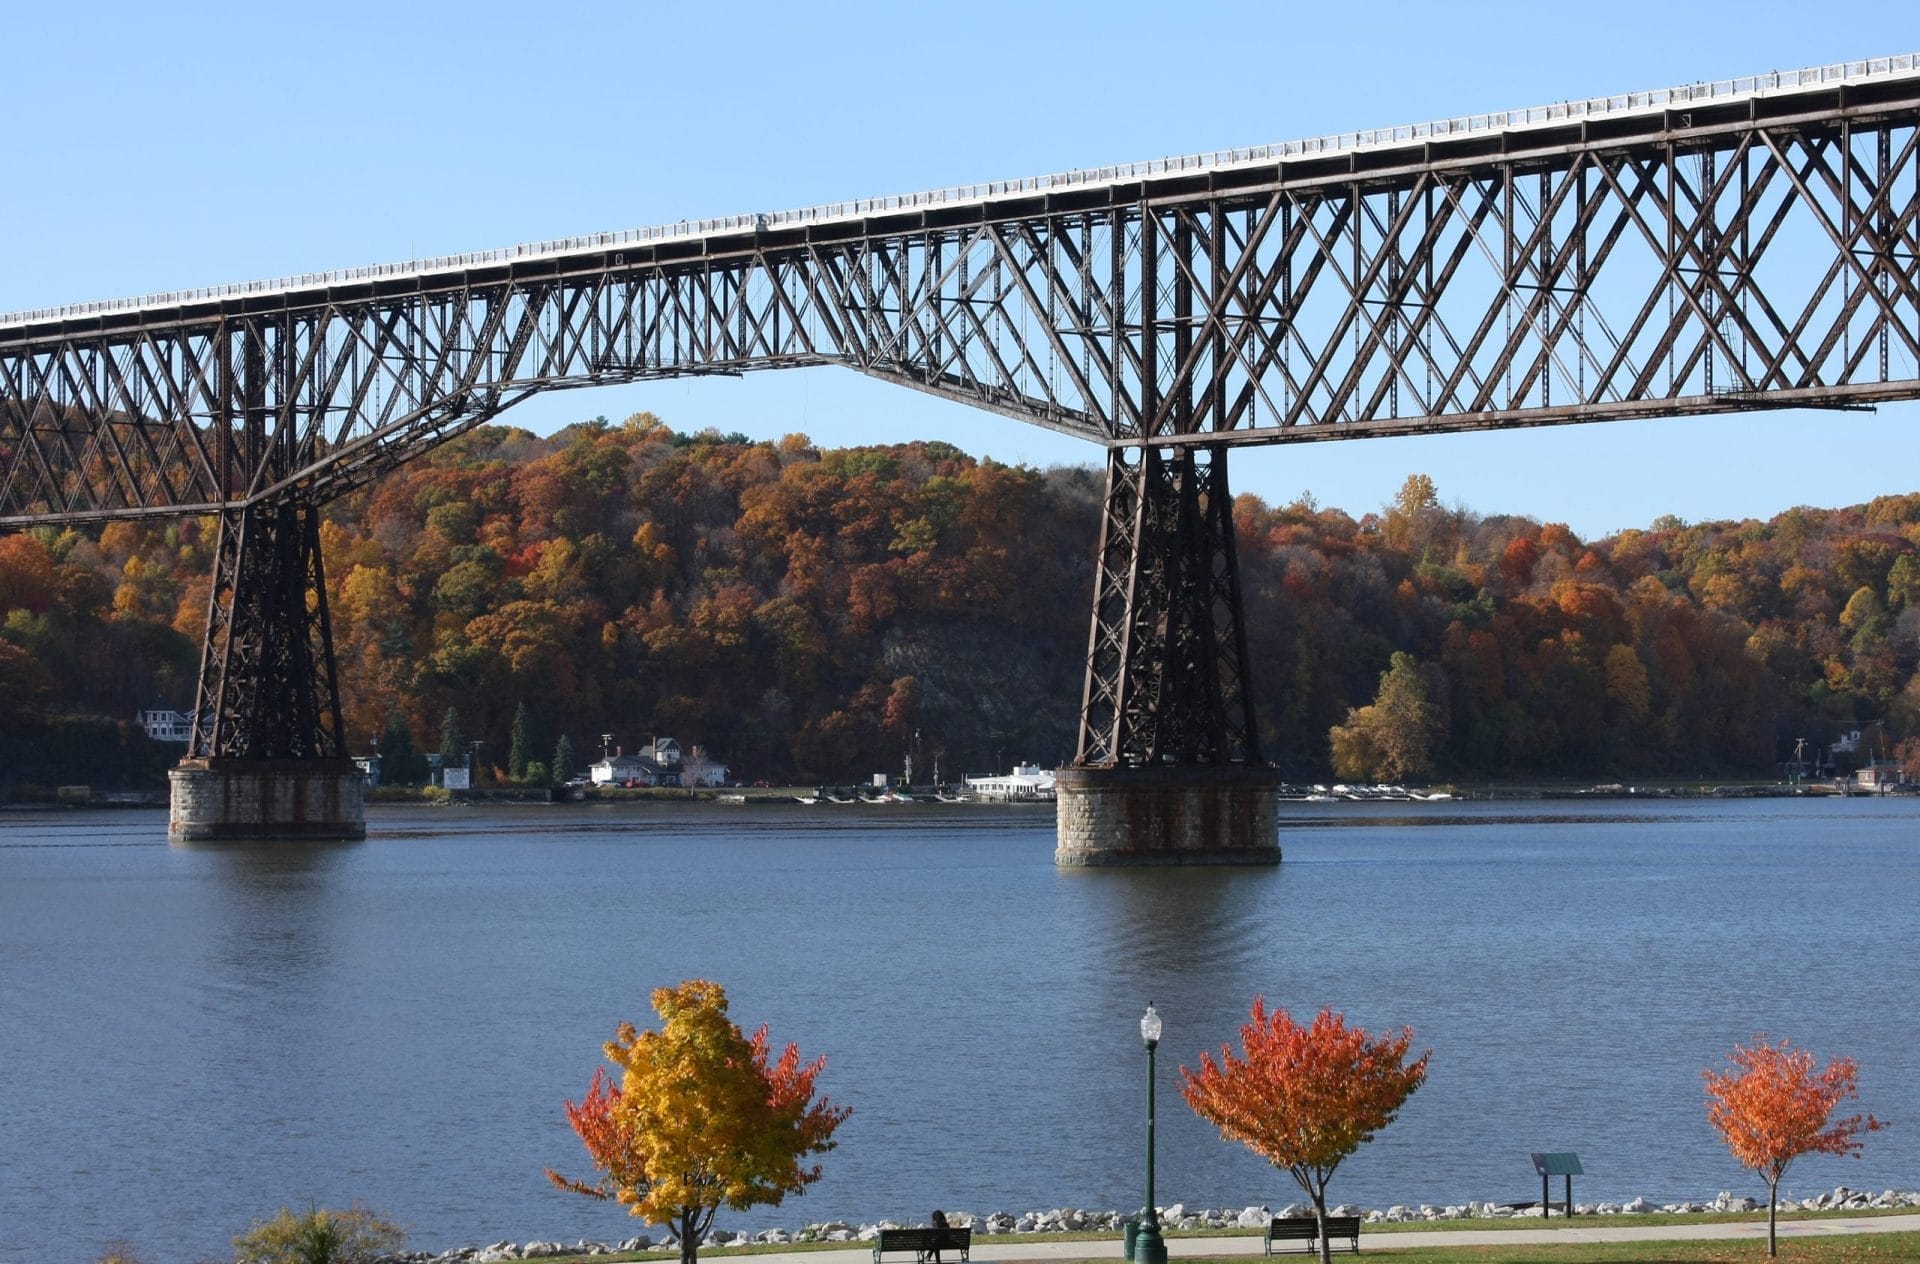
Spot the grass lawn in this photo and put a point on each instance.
(1863, 1248)
(1651, 1219)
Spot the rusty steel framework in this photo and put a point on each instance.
(1752, 249)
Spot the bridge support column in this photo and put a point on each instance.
(266, 759)
(1168, 769)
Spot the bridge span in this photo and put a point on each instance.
(1716, 247)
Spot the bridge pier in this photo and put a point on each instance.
(1168, 769)
(266, 760)
(1167, 816)
(251, 800)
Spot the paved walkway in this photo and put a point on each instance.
(1582, 1229)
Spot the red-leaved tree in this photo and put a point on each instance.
(1772, 1107)
(1304, 1098)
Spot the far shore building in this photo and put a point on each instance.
(1025, 782)
(1879, 776)
(699, 770)
(625, 770)
(664, 752)
(163, 725)
(659, 763)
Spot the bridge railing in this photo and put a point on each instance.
(1621, 103)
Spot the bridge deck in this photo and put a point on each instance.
(972, 202)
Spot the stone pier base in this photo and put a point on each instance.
(255, 800)
(1167, 816)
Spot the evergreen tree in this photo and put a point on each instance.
(399, 762)
(453, 742)
(563, 760)
(522, 748)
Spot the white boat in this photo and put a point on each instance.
(1026, 783)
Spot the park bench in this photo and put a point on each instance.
(925, 1243)
(1306, 1229)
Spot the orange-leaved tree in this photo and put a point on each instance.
(1304, 1098)
(1772, 1107)
(701, 1119)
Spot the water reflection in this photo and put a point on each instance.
(269, 928)
(1178, 928)
(272, 917)
(1198, 943)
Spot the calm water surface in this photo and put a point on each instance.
(190, 1038)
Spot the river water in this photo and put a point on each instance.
(192, 1038)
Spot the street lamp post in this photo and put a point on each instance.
(1148, 1246)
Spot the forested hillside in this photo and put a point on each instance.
(813, 614)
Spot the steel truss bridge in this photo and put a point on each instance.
(1713, 248)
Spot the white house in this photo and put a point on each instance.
(1026, 781)
(664, 752)
(167, 726)
(621, 770)
(698, 769)
(659, 763)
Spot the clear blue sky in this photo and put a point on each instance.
(158, 146)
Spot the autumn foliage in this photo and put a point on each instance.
(1304, 1098)
(701, 1118)
(1772, 1107)
(804, 611)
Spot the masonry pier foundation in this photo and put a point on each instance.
(1168, 770)
(266, 800)
(1167, 816)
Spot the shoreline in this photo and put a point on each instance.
(1227, 1231)
(725, 798)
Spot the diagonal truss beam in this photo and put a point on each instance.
(1667, 263)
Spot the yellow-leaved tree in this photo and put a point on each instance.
(700, 1119)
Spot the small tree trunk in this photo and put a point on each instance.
(1320, 1214)
(690, 1236)
(1773, 1203)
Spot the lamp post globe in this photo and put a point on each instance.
(1148, 1246)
